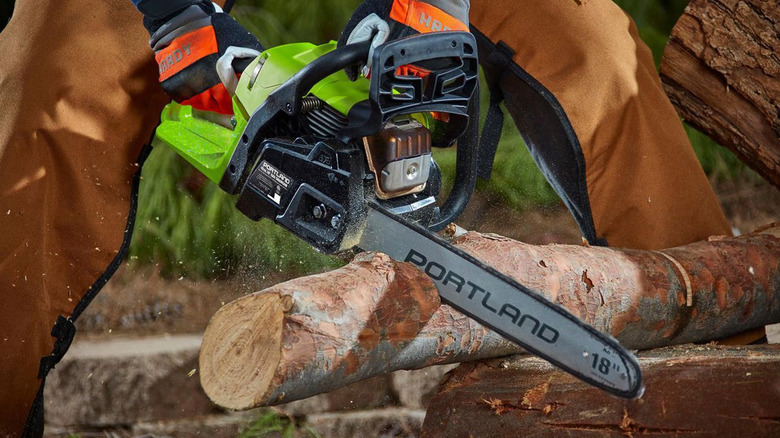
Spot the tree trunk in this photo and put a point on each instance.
(721, 70)
(314, 334)
(698, 390)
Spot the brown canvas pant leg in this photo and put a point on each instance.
(629, 156)
(79, 98)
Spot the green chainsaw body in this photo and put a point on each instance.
(208, 140)
(309, 148)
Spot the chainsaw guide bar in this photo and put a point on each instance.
(507, 307)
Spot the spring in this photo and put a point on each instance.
(310, 103)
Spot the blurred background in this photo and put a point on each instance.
(187, 227)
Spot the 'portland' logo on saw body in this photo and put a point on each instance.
(439, 273)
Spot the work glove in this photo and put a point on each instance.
(386, 20)
(200, 51)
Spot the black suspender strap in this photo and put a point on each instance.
(63, 332)
(500, 57)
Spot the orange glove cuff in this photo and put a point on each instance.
(185, 51)
(424, 17)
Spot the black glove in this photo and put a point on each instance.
(200, 51)
(387, 20)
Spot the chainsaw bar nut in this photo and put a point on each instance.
(319, 211)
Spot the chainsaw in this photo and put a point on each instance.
(348, 164)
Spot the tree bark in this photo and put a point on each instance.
(698, 390)
(376, 315)
(721, 70)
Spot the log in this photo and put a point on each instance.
(697, 390)
(721, 70)
(314, 334)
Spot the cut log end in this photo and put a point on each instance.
(236, 341)
(348, 322)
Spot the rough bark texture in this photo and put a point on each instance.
(721, 70)
(318, 333)
(697, 390)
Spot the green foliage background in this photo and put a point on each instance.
(200, 233)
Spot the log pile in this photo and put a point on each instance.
(696, 390)
(376, 315)
(721, 70)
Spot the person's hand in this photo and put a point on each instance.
(200, 52)
(385, 20)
